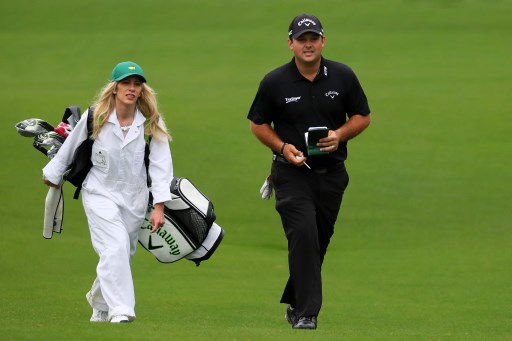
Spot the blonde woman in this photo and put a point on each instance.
(115, 193)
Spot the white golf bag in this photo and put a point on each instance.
(189, 231)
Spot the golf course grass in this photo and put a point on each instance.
(422, 248)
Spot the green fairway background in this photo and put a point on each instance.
(422, 249)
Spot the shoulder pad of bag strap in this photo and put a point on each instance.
(72, 115)
(90, 120)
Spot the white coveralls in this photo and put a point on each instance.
(115, 197)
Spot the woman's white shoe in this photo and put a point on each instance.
(120, 319)
(99, 316)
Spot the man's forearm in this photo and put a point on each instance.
(355, 125)
(266, 135)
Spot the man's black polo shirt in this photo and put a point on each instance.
(292, 104)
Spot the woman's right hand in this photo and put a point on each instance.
(48, 183)
(293, 155)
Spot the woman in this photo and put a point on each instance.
(115, 193)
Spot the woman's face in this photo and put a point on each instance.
(128, 90)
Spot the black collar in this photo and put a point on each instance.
(323, 72)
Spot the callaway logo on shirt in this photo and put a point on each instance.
(332, 94)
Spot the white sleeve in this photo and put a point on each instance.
(160, 168)
(54, 170)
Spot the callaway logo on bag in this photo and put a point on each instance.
(189, 231)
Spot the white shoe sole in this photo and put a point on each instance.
(119, 319)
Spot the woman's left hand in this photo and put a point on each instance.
(157, 217)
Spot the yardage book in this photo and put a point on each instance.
(312, 136)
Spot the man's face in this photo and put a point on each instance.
(307, 48)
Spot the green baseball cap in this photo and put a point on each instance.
(125, 69)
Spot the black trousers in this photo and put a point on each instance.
(308, 202)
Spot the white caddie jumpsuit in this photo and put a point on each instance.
(115, 197)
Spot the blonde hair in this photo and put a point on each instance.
(147, 104)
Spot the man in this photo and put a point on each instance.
(310, 91)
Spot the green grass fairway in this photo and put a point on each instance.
(422, 249)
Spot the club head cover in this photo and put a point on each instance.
(32, 127)
(48, 143)
(52, 151)
(51, 138)
(63, 129)
(38, 143)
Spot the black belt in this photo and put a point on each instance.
(317, 170)
(279, 158)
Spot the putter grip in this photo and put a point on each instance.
(50, 209)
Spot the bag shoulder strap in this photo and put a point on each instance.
(146, 156)
(90, 120)
(146, 159)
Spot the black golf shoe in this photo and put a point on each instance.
(305, 322)
(290, 315)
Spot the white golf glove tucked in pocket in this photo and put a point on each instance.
(267, 189)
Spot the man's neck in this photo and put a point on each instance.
(307, 70)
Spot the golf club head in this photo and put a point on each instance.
(32, 127)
